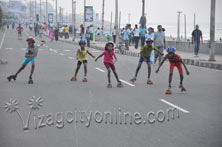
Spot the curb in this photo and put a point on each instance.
(192, 62)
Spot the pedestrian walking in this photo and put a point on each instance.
(40, 32)
(51, 34)
(82, 57)
(150, 35)
(136, 36)
(196, 36)
(174, 60)
(56, 34)
(30, 56)
(20, 30)
(126, 34)
(88, 34)
(108, 54)
(114, 34)
(143, 32)
(145, 54)
(159, 42)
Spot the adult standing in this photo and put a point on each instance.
(159, 42)
(82, 31)
(51, 34)
(142, 34)
(88, 33)
(114, 34)
(126, 35)
(136, 36)
(196, 36)
(150, 35)
(56, 34)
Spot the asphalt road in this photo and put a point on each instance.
(72, 114)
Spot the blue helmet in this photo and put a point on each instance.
(171, 49)
(82, 42)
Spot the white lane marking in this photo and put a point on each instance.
(8, 48)
(55, 51)
(175, 106)
(95, 51)
(50, 49)
(100, 69)
(127, 83)
(23, 49)
(46, 46)
(2, 41)
(66, 50)
(61, 54)
(71, 58)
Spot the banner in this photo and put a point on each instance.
(50, 18)
(88, 14)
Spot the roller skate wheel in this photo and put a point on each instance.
(183, 90)
(132, 80)
(120, 85)
(85, 80)
(30, 82)
(73, 79)
(109, 86)
(149, 82)
(169, 92)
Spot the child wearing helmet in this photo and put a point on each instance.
(174, 60)
(108, 54)
(30, 56)
(82, 57)
(145, 56)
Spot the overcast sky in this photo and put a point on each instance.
(158, 11)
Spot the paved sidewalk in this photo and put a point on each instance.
(188, 58)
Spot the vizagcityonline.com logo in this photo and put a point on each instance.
(114, 117)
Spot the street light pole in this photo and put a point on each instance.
(40, 15)
(178, 26)
(129, 18)
(56, 14)
(185, 27)
(84, 21)
(212, 30)
(111, 21)
(143, 7)
(46, 11)
(194, 21)
(116, 21)
(103, 15)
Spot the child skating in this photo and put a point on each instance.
(82, 57)
(175, 60)
(145, 57)
(30, 56)
(108, 54)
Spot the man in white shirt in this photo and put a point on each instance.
(136, 36)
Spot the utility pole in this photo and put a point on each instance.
(143, 17)
(40, 12)
(116, 21)
(56, 13)
(143, 7)
(84, 21)
(212, 30)
(111, 21)
(35, 10)
(30, 16)
(129, 18)
(194, 21)
(178, 26)
(185, 27)
(46, 11)
(103, 14)
(120, 20)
